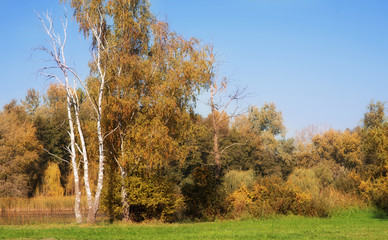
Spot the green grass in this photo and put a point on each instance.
(352, 224)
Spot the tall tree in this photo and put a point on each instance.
(375, 140)
(374, 145)
(19, 152)
(57, 54)
(143, 84)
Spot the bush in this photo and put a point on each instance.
(152, 197)
(235, 179)
(376, 191)
(305, 180)
(329, 193)
(324, 173)
(273, 196)
(204, 194)
(52, 181)
(347, 182)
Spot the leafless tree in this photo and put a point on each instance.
(219, 115)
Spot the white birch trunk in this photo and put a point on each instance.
(93, 207)
(84, 157)
(77, 204)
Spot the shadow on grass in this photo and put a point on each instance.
(380, 214)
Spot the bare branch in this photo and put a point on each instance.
(118, 164)
(78, 148)
(231, 145)
(112, 131)
(56, 156)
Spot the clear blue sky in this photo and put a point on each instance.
(320, 61)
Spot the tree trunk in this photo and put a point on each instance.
(216, 151)
(124, 198)
(77, 205)
(70, 101)
(217, 157)
(92, 214)
(123, 174)
(85, 158)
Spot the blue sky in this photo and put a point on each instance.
(320, 61)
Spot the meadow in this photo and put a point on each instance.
(350, 224)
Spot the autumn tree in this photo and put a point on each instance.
(343, 148)
(52, 129)
(52, 181)
(153, 100)
(374, 135)
(375, 140)
(273, 152)
(143, 84)
(31, 101)
(19, 152)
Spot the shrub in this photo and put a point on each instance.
(273, 196)
(347, 182)
(235, 179)
(152, 197)
(324, 173)
(305, 180)
(328, 193)
(376, 191)
(240, 202)
(204, 194)
(52, 181)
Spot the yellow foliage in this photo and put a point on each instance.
(51, 181)
(240, 201)
(376, 191)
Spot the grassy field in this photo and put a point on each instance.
(355, 224)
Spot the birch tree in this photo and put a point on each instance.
(143, 82)
(56, 51)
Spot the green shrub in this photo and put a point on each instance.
(235, 179)
(329, 192)
(305, 180)
(204, 194)
(324, 173)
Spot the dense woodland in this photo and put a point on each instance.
(129, 140)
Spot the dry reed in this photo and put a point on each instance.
(39, 204)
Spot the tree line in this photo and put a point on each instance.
(128, 137)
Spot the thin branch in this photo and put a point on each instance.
(112, 131)
(118, 163)
(93, 101)
(78, 148)
(57, 157)
(231, 145)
